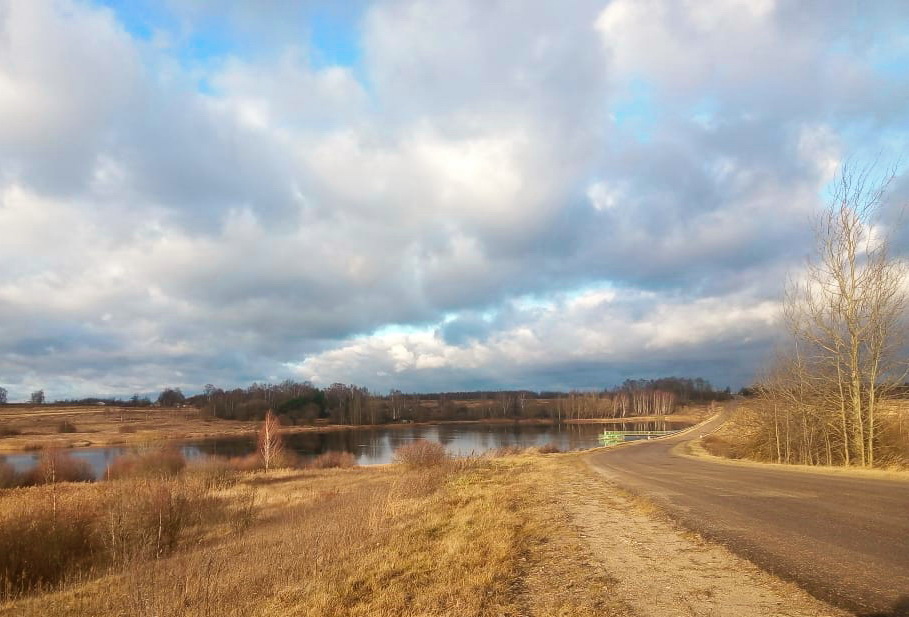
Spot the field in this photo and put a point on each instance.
(24, 427)
(527, 534)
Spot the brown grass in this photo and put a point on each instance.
(332, 459)
(57, 466)
(549, 448)
(65, 426)
(149, 463)
(719, 445)
(469, 537)
(61, 534)
(421, 453)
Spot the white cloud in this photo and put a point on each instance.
(159, 232)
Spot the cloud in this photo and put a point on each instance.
(472, 194)
(531, 346)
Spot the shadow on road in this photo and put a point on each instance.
(900, 609)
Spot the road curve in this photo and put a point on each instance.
(843, 538)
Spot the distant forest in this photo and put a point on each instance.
(303, 403)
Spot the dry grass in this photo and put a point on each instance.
(333, 459)
(149, 463)
(57, 466)
(65, 426)
(459, 538)
(60, 534)
(421, 453)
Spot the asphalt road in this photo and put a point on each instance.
(843, 538)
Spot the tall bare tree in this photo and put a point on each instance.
(271, 443)
(847, 321)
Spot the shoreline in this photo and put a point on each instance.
(31, 442)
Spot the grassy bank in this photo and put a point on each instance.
(441, 537)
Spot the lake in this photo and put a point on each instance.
(373, 446)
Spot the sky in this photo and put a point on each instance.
(423, 195)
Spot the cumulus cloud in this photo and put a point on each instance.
(481, 195)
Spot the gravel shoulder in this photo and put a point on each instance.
(661, 569)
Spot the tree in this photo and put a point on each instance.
(171, 397)
(37, 397)
(3, 396)
(396, 401)
(270, 442)
(846, 321)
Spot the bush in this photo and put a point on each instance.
(549, 448)
(40, 544)
(65, 426)
(149, 518)
(328, 460)
(154, 463)
(718, 446)
(58, 466)
(421, 453)
(506, 451)
(214, 473)
(49, 535)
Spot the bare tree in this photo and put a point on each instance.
(847, 321)
(396, 401)
(37, 397)
(270, 442)
(3, 396)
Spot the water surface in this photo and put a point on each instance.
(373, 446)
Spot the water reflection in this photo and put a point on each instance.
(373, 446)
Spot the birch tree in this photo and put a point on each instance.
(847, 319)
(270, 442)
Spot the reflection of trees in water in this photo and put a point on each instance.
(377, 445)
(447, 433)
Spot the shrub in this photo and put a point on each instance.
(549, 448)
(49, 535)
(65, 426)
(147, 518)
(331, 459)
(152, 463)
(214, 473)
(41, 544)
(506, 451)
(250, 462)
(718, 446)
(58, 466)
(421, 453)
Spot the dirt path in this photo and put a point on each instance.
(662, 570)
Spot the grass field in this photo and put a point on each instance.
(475, 537)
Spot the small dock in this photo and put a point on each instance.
(610, 438)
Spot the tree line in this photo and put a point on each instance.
(296, 402)
(301, 402)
